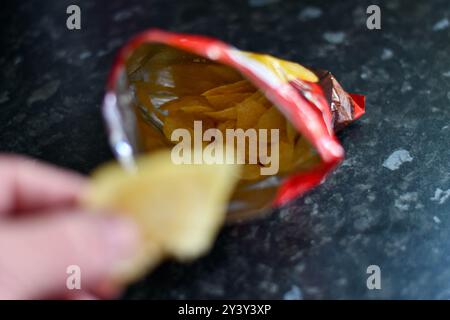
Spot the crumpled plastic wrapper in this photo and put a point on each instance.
(311, 100)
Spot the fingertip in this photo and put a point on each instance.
(37, 251)
(120, 235)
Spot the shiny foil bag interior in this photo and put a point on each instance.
(161, 81)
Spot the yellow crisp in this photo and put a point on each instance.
(250, 171)
(219, 96)
(223, 101)
(272, 119)
(242, 86)
(229, 124)
(291, 132)
(225, 114)
(249, 111)
(183, 120)
(178, 208)
(186, 102)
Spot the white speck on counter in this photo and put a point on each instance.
(406, 87)
(4, 96)
(349, 162)
(387, 54)
(44, 92)
(396, 159)
(406, 201)
(122, 15)
(261, 3)
(371, 197)
(85, 55)
(334, 37)
(315, 209)
(294, 294)
(436, 219)
(310, 13)
(126, 14)
(440, 196)
(441, 25)
(18, 60)
(446, 74)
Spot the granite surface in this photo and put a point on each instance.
(387, 205)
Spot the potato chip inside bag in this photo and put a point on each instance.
(208, 103)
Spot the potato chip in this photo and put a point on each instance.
(242, 86)
(182, 120)
(221, 98)
(224, 73)
(192, 78)
(197, 109)
(261, 98)
(272, 119)
(225, 114)
(229, 124)
(186, 102)
(250, 171)
(175, 122)
(178, 208)
(249, 111)
(291, 132)
(223, 101)
(150, 138)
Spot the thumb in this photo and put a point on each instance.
(35, 253)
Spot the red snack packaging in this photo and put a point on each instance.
(157, 67)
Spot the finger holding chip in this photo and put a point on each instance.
(178, 208)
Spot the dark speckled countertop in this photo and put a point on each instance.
(387, 205)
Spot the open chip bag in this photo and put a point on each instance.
(162, 82)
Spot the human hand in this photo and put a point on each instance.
(43, 231)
